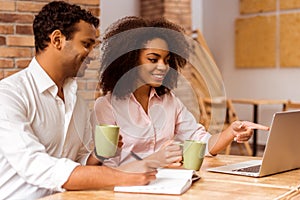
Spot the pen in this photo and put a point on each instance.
(135, 156)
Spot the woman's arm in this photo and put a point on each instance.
(239, 131)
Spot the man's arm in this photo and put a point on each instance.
(97, 177)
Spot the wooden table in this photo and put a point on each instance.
(210, 186)
(256, 103)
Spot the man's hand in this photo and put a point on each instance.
(140, 172)
(140, 166)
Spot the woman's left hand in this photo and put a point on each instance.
(169, 155)
(243, 130)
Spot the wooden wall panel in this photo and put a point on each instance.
(255, 42)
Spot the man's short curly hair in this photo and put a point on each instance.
(59, 15)
(121, 46)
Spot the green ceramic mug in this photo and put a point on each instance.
(106, 140)
(193, 154)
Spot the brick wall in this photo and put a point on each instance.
(177, 11)
(17, 41)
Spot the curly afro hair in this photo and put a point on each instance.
(121, 46)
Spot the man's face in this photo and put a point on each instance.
(75, 51)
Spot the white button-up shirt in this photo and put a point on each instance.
(42, 138)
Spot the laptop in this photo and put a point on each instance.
(281, 152)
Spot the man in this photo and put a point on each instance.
(45, 135)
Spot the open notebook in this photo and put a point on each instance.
(281, 153)
(168, 181)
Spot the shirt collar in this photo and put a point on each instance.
(44, 82)
(153, 94)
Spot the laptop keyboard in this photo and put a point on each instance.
(254, 168)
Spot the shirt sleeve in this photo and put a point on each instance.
(103, 111)
(22, 150)
(103, 114)
(187, 128)
(87, 146)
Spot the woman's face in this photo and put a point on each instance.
(154, 63)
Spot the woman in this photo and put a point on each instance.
(140, 64)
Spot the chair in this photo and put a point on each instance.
(218, 113)
(291, 105)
